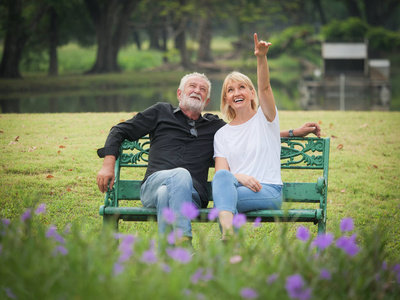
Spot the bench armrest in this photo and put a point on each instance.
(321, 185)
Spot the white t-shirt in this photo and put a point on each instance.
(252, 148)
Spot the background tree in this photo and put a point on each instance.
(208, 12)
(21, 20)
(111, 21)
(375, 13)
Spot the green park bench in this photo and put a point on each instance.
(296, 154)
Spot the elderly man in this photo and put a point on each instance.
(180, 154)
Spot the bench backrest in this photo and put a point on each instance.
(296, 153)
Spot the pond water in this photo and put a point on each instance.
(118, 100)
(138, 99)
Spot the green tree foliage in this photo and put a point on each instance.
(380, 40)
(351, 30)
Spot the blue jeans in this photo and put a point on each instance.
(230, 195)
(170, 188)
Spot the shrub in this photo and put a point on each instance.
(39, 262)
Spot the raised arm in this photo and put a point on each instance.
(265, 95)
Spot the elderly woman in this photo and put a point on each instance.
(247, 149)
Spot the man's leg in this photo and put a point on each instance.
(170, 188)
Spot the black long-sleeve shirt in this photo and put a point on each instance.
(172, 144)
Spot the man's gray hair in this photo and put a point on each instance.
(187, 76)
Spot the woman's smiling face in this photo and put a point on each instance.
(238, 94)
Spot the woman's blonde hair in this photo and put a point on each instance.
(228, 111)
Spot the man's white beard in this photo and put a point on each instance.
(193, 105)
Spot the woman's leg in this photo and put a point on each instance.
(269, 197)
(224, 186)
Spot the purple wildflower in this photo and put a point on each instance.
(239, 220)
(396, 269)
(213, 214)
(272, 278)
(149, 256)
(60, 250)
(52, 233)
(26, 215)
(197, 276)
(67, 229)
(208, 275)
(348, 245)
(296, 288)
(323, 241)
(41, 209)
(127, 240)
(9, 293)
(257, 222)
(174, 236)
(171, 238)
(179, 254)
(166, 268)
(5, 222)
(168, 215)
(248, 293)
(126, 247)
(118, 269)
(346, 224)
(303, 233)
(201, 274)
(325, 274)
(190, 210)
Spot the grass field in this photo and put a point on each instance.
(51, 159)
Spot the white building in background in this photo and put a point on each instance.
(349, 80)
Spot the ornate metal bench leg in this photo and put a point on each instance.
(322, 226)
(110, 221)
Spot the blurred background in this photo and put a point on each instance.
(125, 55)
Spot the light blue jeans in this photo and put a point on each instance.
(170, 188)
(230, 195)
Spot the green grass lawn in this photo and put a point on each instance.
(51, 159)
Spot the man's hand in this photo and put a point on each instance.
(106, 174)
(308, 128)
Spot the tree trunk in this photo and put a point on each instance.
(14, 42)
(53, 42)
(18, 31)
(204, 53)
(180, 42)
(111, 21)
(318, 7)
